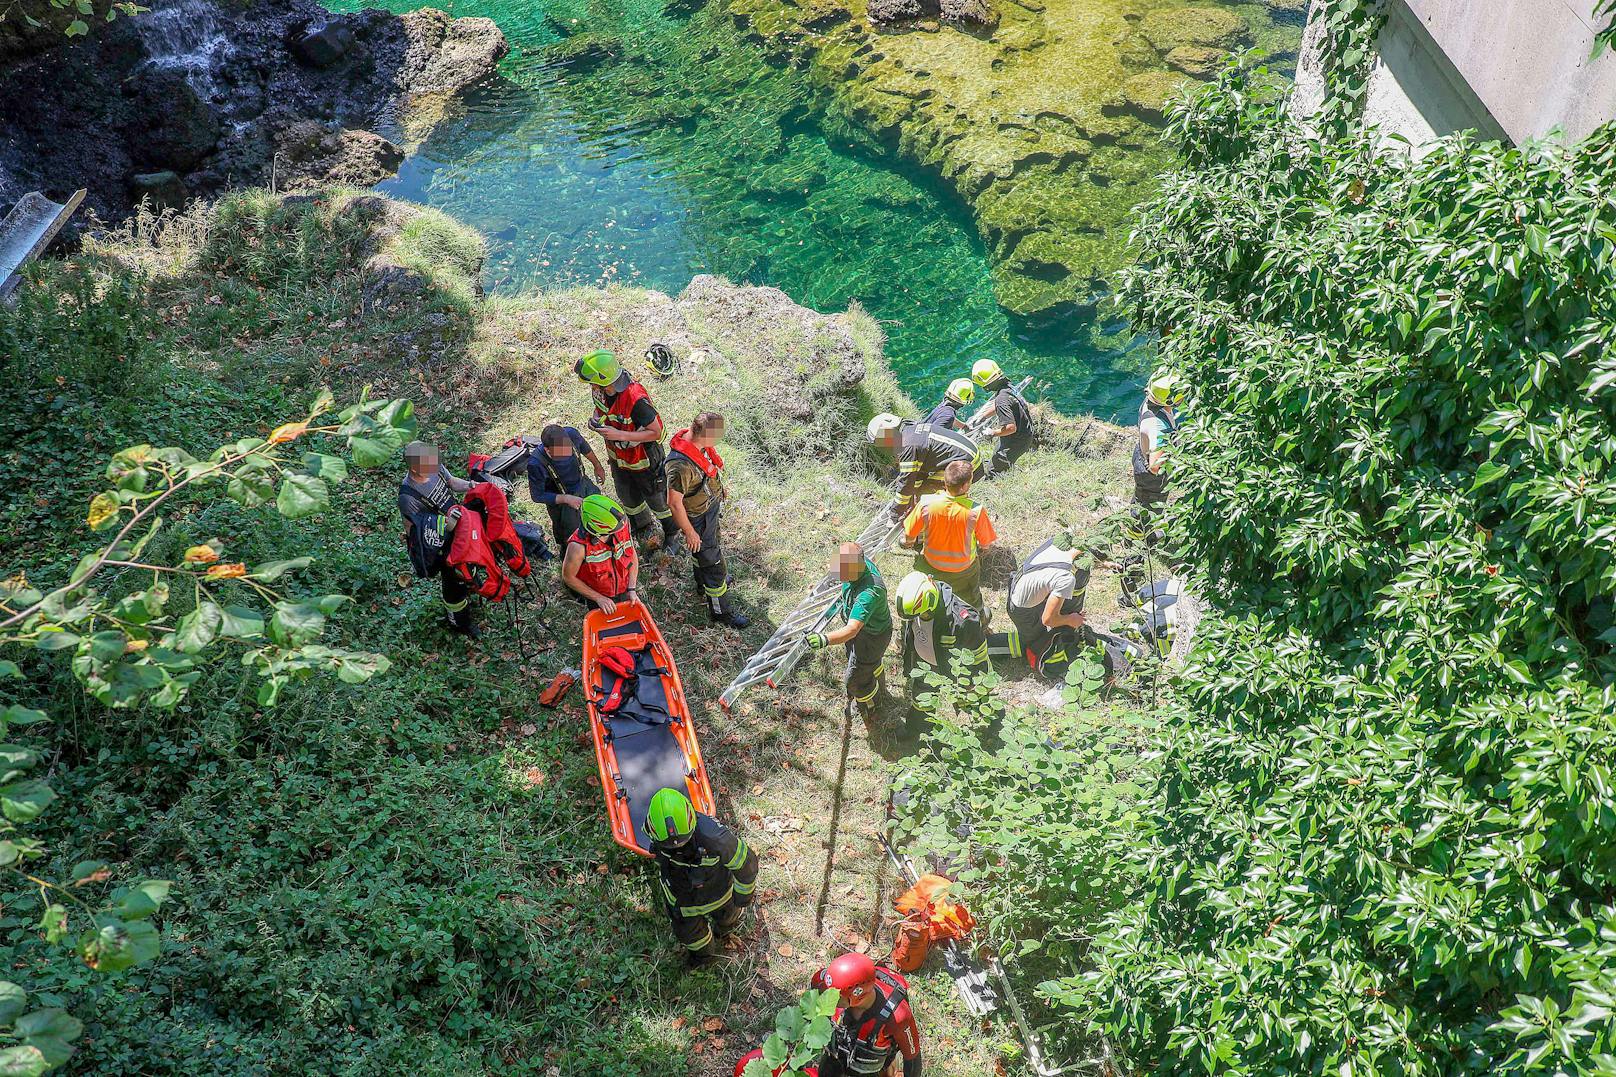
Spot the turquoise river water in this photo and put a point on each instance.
(701, 157)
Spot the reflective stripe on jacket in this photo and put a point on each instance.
(608, 562)
(947, 528)
(619, 415)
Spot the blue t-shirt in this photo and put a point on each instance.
(548, 476)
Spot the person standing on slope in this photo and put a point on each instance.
(707, 872)
(695, 498)
(868, 631)
(429, 502)
(628, 422)
(1012, 418)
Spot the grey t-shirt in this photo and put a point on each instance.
(1048, 571)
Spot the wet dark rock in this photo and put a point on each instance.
(214, 90)
(972, 14)
(171, 126)
(324, 44)
(163, 190)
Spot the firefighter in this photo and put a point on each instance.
(874, 1025)
(868, 631)
(695, 497)
(959, 394)
(1011, 416)
(707, 872)
(429, 501)
(948, 533)
(628, 422)
(921, 452)
(600, 565)
(1046, 607)
(1158, 423)
(556, 478)
(938, 627)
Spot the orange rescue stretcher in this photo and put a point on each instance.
(649, 741)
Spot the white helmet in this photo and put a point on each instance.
(918, 595)
(882, 425)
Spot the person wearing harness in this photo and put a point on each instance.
(628, 422)
(948, 533)
(938, 627)
(1012, 418)
(874, 1025)
(959, 394)
(695, 497)
(868, 631)
(1158, 423)
(556, 478)
(429, 502)
(1046, 607)
(600, 565)
(708, 872)
(921, 451)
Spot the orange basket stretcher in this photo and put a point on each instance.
(649, 741)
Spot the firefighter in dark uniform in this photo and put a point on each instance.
(875, 1026)
(708, 872)
(429, 501)
(628, 422)
(958, 395)
(556, 478)
(921, 451)
(1012, 418)
(696, 497)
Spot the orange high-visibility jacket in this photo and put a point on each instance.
(951, 530)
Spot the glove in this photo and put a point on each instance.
(816, 641)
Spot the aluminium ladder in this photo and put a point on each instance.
(778, 658)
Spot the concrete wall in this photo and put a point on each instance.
(1508, 69)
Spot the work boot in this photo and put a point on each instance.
(723, 613)
(464, 624)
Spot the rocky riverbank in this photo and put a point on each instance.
(196, 96)
(1043, 115)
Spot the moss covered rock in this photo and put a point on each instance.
(1207, 27)
(1198, 61)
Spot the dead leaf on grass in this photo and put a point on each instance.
(785, 950)
(713, 1024)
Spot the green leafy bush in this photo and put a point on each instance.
(1385, 841)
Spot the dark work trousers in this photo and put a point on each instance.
(644, 496)
(456, 597)
(564, 520)
(1049, 651)
(1009, 451)
(866, 665)
(712, 574)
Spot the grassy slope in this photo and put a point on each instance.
(417, 872)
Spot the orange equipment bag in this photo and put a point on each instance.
(557, 689)
(931, 916)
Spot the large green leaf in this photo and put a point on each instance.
(199, 628)
(302, 495)
(22, 802)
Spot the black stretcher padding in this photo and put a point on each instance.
(633, 628)
(649, 760)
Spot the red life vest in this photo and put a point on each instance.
(707, 459)
(620, 416)
(887, 1031)
(473, 558)
(489, 500)
(608, 561)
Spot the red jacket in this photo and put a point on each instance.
(489, 500)
(608, 563)
(620, 416)
(473, 558)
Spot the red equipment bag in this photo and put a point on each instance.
(620, 662)
(490, 502)
(473, 559)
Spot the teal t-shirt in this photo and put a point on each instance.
(865, 599)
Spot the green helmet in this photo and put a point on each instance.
(918, 594)
(1163, 388)
(598, 368)
(671, 818)
(960, 391)
(600, 514)
(985, 372)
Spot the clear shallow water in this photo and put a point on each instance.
(694, 155)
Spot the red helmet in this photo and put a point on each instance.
(851, 974)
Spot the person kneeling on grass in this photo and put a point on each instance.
(708, 872)
(600, 565)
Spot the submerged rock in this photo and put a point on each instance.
(890, 12)
(976, 14)
(1208, 27)
(585, 52)
(1149, 93)
(1198, 61)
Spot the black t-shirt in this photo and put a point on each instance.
(644, 413)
